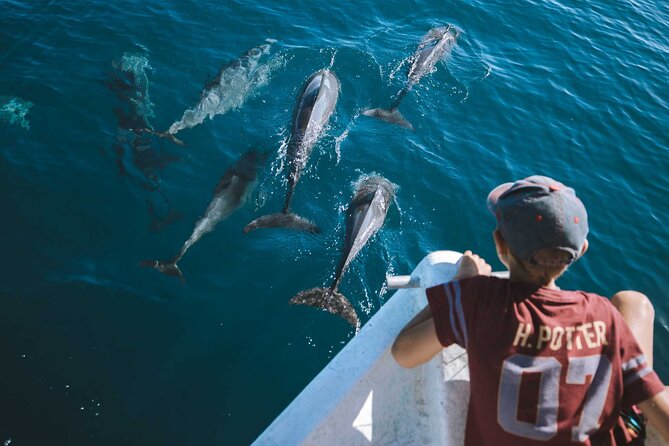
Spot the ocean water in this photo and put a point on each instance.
(95, 349)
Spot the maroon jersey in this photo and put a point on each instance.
(546, 366)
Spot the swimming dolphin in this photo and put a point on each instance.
(433, 46)
(229, 90)
(230, 194)
(137, 155)
(130, 83)
(365, 215)
(313, 109)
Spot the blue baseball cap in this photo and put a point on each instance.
(539, 213)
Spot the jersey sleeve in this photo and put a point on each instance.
(442, 304)
(452, 305)
(640, 382)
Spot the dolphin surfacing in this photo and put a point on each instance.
(365, 215)
(313, 109)
(231, 193)
(432, 48)
(229, 90)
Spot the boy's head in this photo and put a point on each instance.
(541, 220)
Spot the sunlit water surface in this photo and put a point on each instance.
(97, 350)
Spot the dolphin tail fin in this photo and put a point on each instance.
(329, 300)
(169, 267)
(166, 135)
(391, 116)
(283, 220)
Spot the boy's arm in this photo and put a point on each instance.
(417, 343)
(656, 409)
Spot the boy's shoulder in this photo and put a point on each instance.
(491, 286)
(485, 280)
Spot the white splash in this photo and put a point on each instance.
(138, 65)
(15, 112)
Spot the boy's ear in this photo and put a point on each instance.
(585, 248)
(500, 243)
(499, 240)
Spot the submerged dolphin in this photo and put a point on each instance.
(313, 109)
(230, 194)
(365, 215)
(137, 155)
(229, 90)
(433, 46)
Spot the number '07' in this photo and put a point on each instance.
(546, 424)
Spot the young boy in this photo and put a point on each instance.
(547, 366)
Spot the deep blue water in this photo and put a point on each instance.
(95, 349)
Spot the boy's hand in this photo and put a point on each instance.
(471, 265)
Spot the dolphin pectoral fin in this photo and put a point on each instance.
(393, 117)
(171, 137)
(174, 139)
(281, 220)
(169, 268)
(329, 300)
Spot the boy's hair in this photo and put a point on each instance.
(550, 264)
(542, 221)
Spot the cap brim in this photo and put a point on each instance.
(493, 196)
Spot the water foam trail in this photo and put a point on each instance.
(390, 271)
(265, 190)
(280, 163)
(339, 139)
(332, 59)
(138, 65)
(397, 68)
(15, 111)
(231, 88)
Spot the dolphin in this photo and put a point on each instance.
(130, 83)
(136, 154)
(433, 46)
(313, 109)
(365, 215)
(232, 86)
(231, 193)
